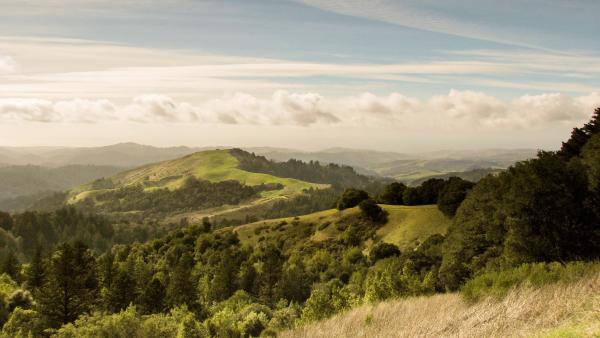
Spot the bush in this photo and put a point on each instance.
(351, 198)
(497, 284)
(370, 210)
(383, 250)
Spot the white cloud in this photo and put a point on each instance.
(7, 64)
(454, 111)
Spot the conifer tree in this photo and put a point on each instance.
(70, 286)
(35, 272)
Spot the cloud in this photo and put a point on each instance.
(488, 22)
(456, 110)
(7, 64)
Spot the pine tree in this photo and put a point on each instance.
(70, 286)
(35, 272)
(181, 289)
(11, 266)
(152, 298)
(121, 291)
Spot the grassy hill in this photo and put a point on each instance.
(406, 227)
(212, 166)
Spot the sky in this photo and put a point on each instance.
(394, 75)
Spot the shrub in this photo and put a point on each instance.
(370, 210)
(383, 250)
(497, 284)
(351, 198)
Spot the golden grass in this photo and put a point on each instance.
(558, 310)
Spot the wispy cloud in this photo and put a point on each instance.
(448, 17)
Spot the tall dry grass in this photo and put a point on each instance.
(525, 312)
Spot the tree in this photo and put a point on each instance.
(452, 194)
(6, 221)
(580, 136)
(392, 194)
(11, 265)
(121, 291)
(383, 250)
(152, 298)
(351, 198)
(70, 286)
(373, 212)
(35, 272)
(181, 289)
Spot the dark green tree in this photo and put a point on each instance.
(121, 291)
(351, 197)
(452, 195)
(70, 287)
(181, 288)
(35, 272)
(152, 298)
(11, 265)
(392, 194)
(373, 212)
(383, 250)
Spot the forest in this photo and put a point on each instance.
(70, 273)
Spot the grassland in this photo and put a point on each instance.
(557, 310)
(213, 165)
(407, 226)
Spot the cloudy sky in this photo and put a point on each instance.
(403, 75)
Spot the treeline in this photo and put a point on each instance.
(23, 233)
(542, 210)
(195, 194)
(447, 194)
(312, 171)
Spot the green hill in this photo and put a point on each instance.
(407, 226)
(160, 183)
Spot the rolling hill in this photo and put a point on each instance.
(406, 227)
(211, 169)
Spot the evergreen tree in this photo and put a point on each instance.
(152, 298)
(181, 289)
(11, 266)
(121, 291)
(35, 272)
(70, 286)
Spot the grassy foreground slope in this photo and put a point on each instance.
(558, 310)
(406, 227)
(213, 166)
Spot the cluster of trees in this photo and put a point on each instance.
(195, 194)
(542, 210)
(447, 194)
(312, 171)
(223, 287)
(23, 234)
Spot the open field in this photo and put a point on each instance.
(557, 310)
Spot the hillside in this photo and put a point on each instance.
(218, 167)
(558, 310)
(407, 226)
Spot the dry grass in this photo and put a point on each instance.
(558, 310)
